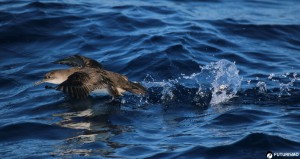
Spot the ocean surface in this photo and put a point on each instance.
(223, 78)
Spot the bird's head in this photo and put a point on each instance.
(55, 77)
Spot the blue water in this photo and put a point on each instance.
(223, 78)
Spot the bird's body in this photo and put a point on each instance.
(89, 76)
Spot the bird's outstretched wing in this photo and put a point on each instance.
(80, 84)
(79, 61)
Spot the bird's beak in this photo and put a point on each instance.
(40, 82)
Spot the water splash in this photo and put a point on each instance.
(262, 87)
(226, 81)
(164, 88)
(271, 76)
(276, 85)
(219, 79)
(167, 92)
(286, 87)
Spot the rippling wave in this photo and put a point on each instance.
(222, 76)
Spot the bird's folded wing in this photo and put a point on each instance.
(79, 61)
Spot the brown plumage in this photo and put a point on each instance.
(88, 75)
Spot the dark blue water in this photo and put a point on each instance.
(223, 78)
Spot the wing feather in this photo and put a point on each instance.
(80, 84)
(79, 61)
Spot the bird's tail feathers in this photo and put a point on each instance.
(136, 88)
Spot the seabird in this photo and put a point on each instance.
(87, 75)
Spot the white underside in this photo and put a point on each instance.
(101, 91)
(106, 92)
